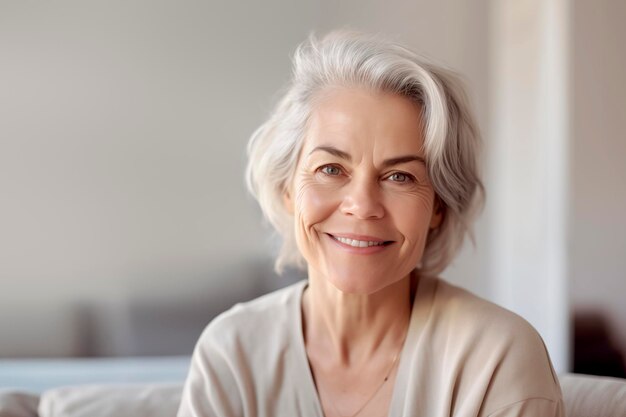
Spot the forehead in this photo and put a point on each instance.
(349, 117)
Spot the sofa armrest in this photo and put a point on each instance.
(596, 396)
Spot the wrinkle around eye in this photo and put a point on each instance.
(306, 183)
(410, 191)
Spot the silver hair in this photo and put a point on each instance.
(350, 59)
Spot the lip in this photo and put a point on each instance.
(359, 251)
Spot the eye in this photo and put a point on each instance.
(330, 170)
(401, 177)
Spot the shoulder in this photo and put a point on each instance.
(269, 317)
(487, 327)
(480, 318)
(493, 346)
(229, 365)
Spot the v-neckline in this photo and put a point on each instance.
(401, 377)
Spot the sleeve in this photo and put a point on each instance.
(532, 407)
(211, 388)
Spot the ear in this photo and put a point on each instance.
(288, 201)
(438, 212)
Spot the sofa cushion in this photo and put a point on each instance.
(18, 404)
(154, 400)
(587, 396)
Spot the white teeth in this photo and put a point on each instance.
(357, 243)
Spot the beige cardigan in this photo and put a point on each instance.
(463, 357)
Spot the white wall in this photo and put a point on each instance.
(598, 194)
(529, 155)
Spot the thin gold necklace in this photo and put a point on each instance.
(393, 364)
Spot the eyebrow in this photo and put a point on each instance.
(386, 163)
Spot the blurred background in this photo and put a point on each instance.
(125, 225)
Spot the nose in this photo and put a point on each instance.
(362, 199)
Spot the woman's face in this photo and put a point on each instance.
(361, 197)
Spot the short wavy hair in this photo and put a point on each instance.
(352, 59)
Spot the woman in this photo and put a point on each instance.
(368, 171)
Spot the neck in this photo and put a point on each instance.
(351, 328)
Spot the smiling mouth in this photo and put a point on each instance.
(360, 243)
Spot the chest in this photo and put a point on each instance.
(356, 392)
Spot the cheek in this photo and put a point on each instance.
(314, 203)
(412, 215)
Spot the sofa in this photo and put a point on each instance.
(151, 387)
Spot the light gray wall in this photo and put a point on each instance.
(123, 135)
(598, 193)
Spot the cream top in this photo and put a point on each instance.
(463, 357)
